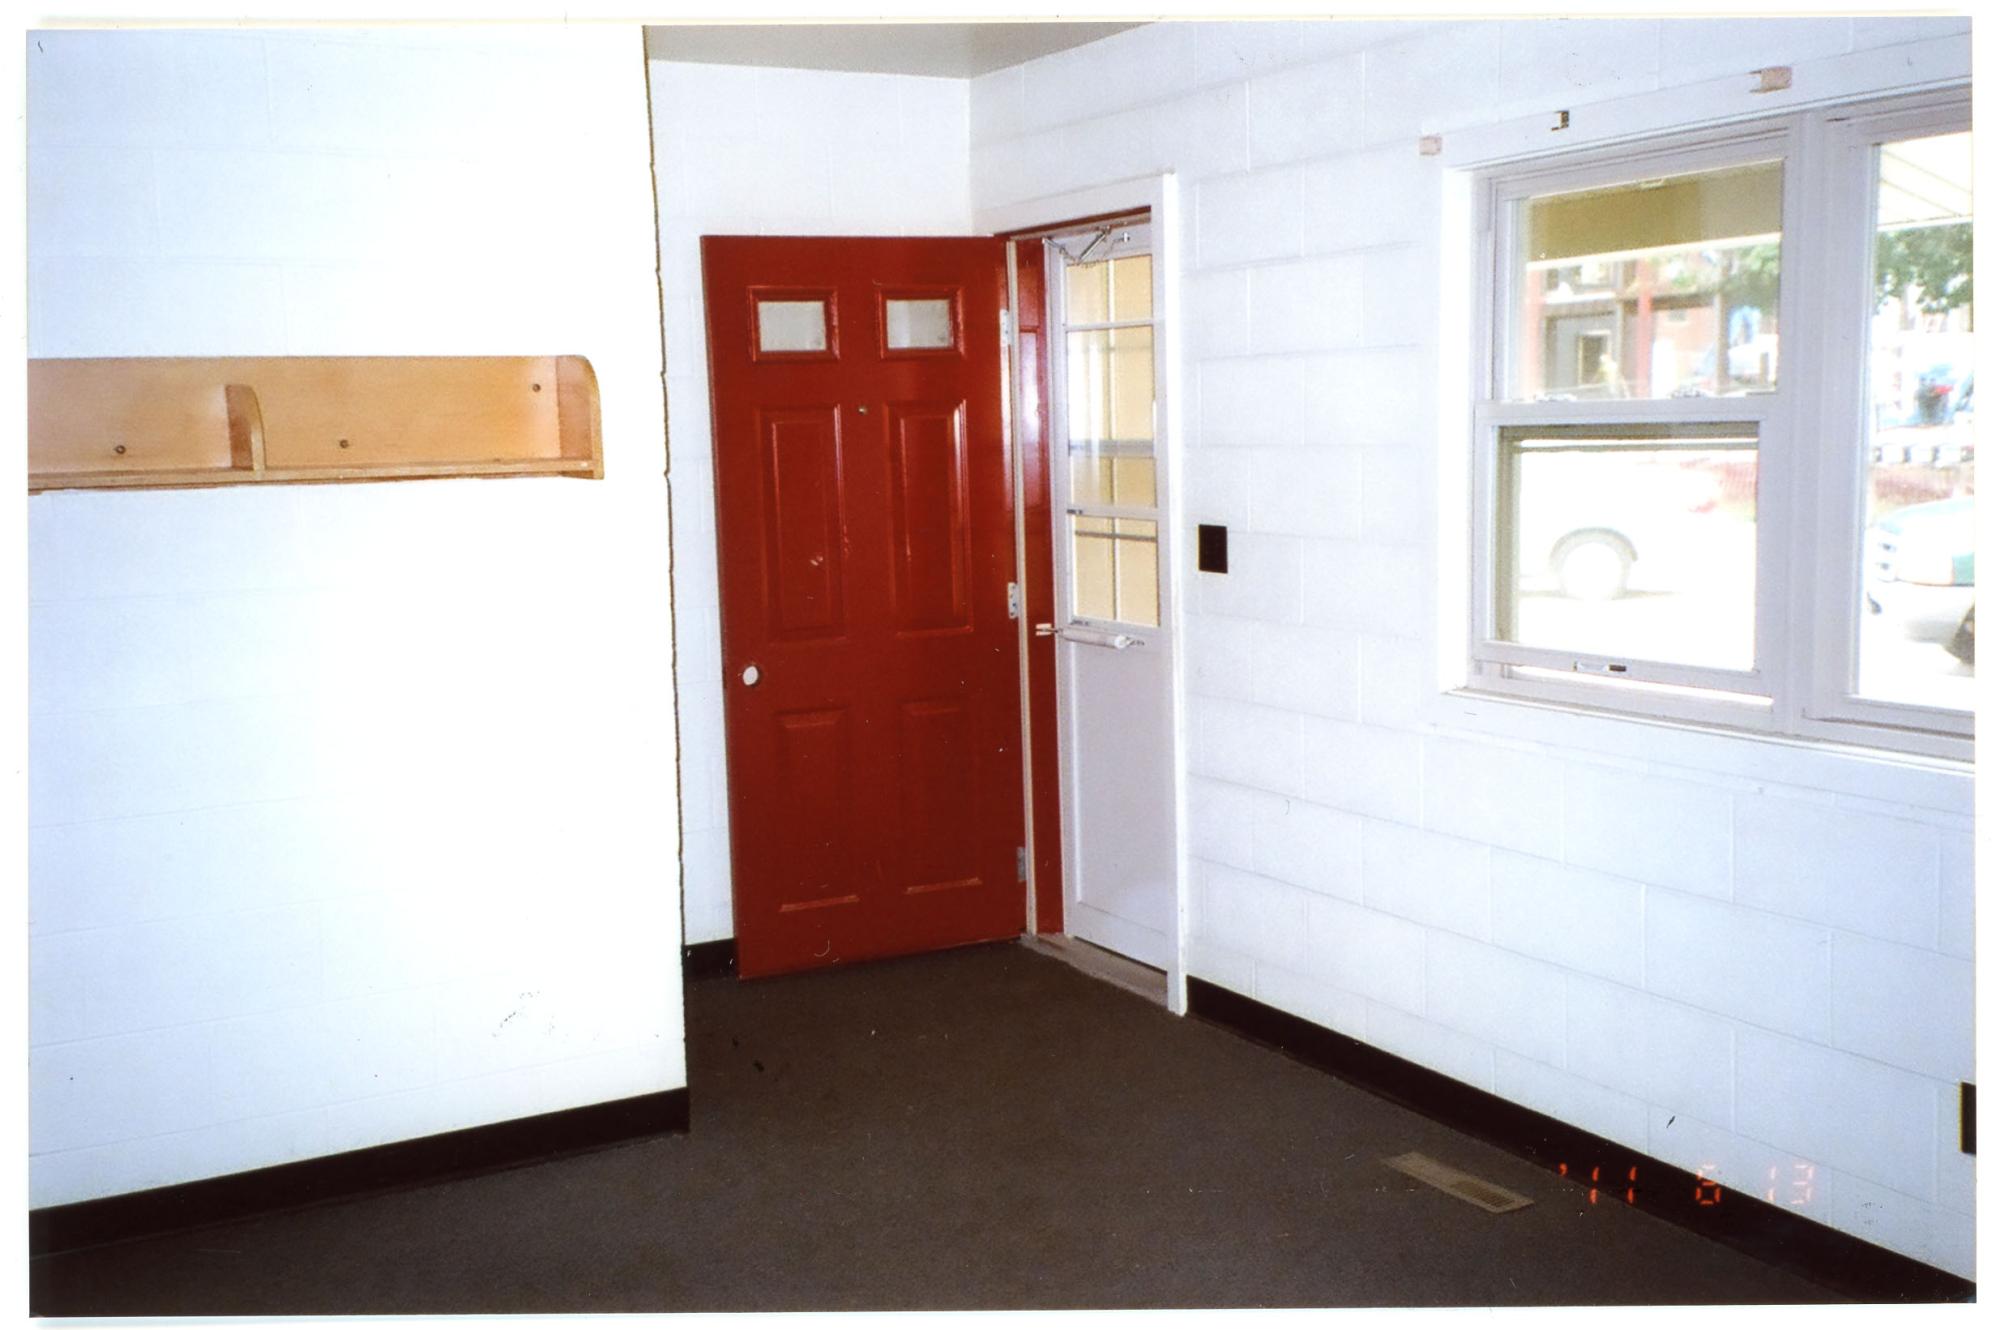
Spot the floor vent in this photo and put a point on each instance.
(1493, 1200)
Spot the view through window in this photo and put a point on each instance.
(1916, 634)
(1112, 482)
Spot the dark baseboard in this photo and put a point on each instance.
(709, 960)
(351, 1173)
(1778, 1236)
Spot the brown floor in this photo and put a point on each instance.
(984, 1128)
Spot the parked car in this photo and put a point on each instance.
(1585, 523)
(1918, 571)
(1961, 641)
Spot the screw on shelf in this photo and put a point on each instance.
(343, 443)
(535, 387)
(119, 449)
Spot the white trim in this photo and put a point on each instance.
(1167, 306)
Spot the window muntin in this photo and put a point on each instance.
(1658, 287)
(1844, 179)
(1109, 478)
(1915, 639)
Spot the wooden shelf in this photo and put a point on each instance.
(145, 423)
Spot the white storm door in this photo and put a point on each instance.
(1114, 664)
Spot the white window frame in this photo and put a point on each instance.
(1140, 241)
(1808, 541)
(1850, 137)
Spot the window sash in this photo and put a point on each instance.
(1590, 171)
(1710, 430)
(1494, 658)
(1833, 707)
(1063, 449)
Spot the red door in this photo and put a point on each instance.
(865, 529)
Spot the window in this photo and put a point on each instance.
(1107, 484)
(1917, 501)
(792, 323)
(1670, 518)
(925, 323)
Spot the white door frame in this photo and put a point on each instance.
(1159, 195)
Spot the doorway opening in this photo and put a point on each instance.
(1101, 662)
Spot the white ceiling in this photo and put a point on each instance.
(947, 50)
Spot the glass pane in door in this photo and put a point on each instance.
(1115, 564)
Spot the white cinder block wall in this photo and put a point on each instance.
(1745, 958)
(353, 806)
(752, 151)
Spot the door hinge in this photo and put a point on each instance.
(1013, 600)
(1006, 327)
(1020, 863)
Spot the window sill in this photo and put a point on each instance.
(1707, 751)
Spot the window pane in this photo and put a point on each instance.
(1138, 555)
(1132, 288)
(1653, 288)
(1094, 564)
(1917, 629)
(1125, 482)
(1089, 287)
(1630, 542)
(917, 325)
(1116, 569)
(1110, 387)
(791, 325)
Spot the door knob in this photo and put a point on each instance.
(751, 674)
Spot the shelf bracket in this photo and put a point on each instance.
(246, 427)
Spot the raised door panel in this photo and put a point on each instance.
(938, 808)
(804, 557)
(931, 529)
(810, 849)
